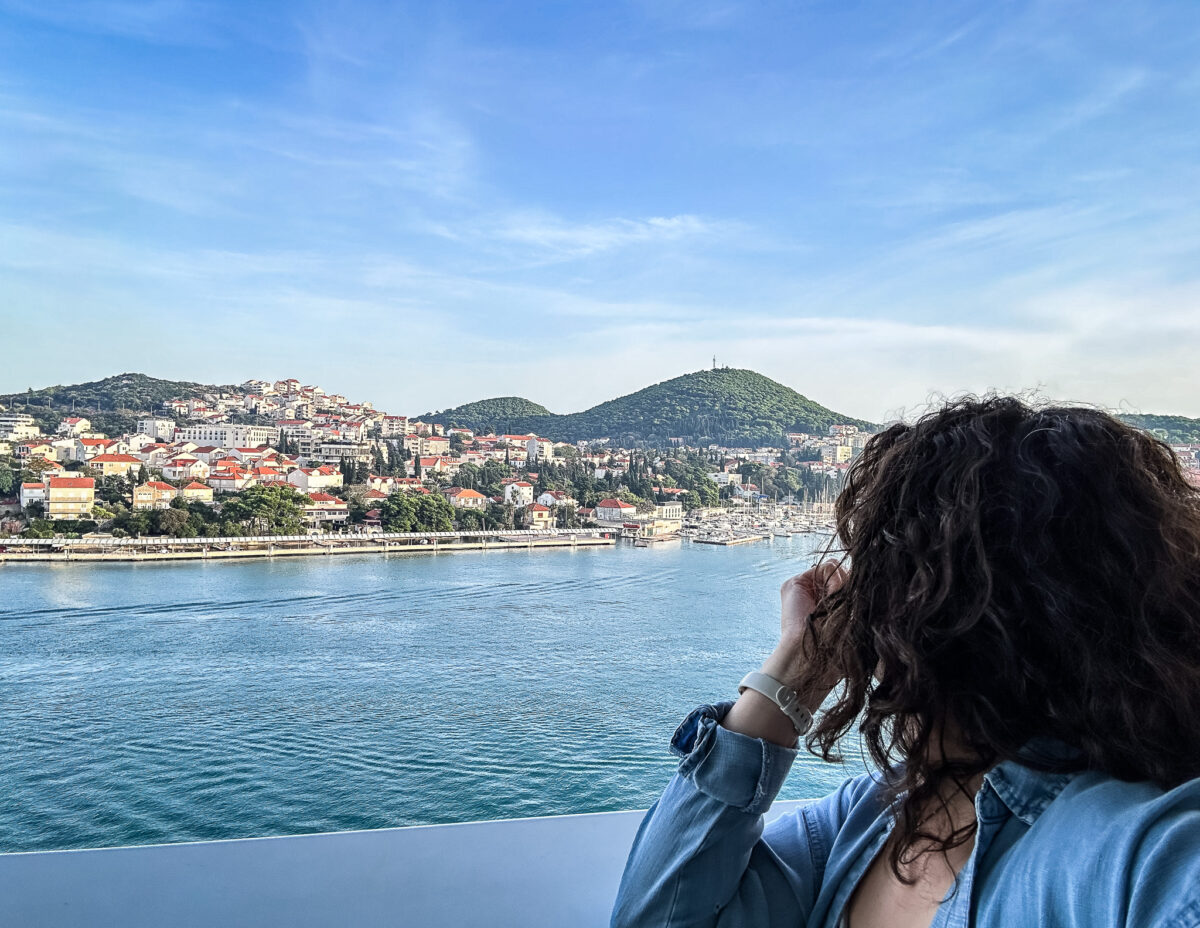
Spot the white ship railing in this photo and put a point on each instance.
(554, 872)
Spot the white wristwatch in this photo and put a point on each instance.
(783, 696)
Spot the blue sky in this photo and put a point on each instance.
(428, 203)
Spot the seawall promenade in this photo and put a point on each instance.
(108, 550)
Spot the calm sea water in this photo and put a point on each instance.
(158, 703)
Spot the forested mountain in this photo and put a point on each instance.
(112, 403)
(727, 406)
(1177, 429)
(486, 415)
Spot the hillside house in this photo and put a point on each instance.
(70, 497)
(153, 495)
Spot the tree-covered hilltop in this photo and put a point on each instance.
(487, 415)
(112, 403)
(1175, 429)
(725, 406)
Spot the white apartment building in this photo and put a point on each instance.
(18, 426)
(231, 436)
(158, 429)
(75, 426)
(519, 493)
(836, 454)
(31, 493)
(539, 449)
(309, 479)
(393, 426)
(614, 510)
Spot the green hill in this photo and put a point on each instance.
(487, 415)
(113, 404)
(1177, 429)
(726, 406)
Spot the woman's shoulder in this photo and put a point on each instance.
(1115, 805)
(1138, 839)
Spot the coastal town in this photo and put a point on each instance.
(286, 458)
(283, 458)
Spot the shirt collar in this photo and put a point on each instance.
(1025, 790)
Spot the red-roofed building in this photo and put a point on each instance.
(519, 493)
(538, 516)
(114, 465)
(465, 498)
(197, 493)
(435, 445)
(185, 467)
(31, 493)
(36, 448)
(439, 465)
(87, 448)
(614, 510)
(70, 497)
(382, 484)
(74, 426)
(556, 498)
(325, 509)
(309, 479)
(231, 480)
(268, 475)
(153, 494)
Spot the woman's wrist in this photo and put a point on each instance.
(756, 715)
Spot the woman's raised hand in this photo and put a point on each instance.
(800, 595)
(754, 714)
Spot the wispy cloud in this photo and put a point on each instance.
(947, 199)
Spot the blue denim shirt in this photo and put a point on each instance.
(1080, 849)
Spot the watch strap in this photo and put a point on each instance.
(782, 695)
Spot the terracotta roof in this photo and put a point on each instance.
(33, 486)
(72, 483)
(157, 485)
(614, 504)
(114, 459)
(538, 507)
(197, 486)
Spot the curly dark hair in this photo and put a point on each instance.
(1016, 574)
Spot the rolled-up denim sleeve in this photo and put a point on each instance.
(699, 857)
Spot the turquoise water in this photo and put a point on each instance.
(158, 703)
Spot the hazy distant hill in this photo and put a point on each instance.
(730, 406)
